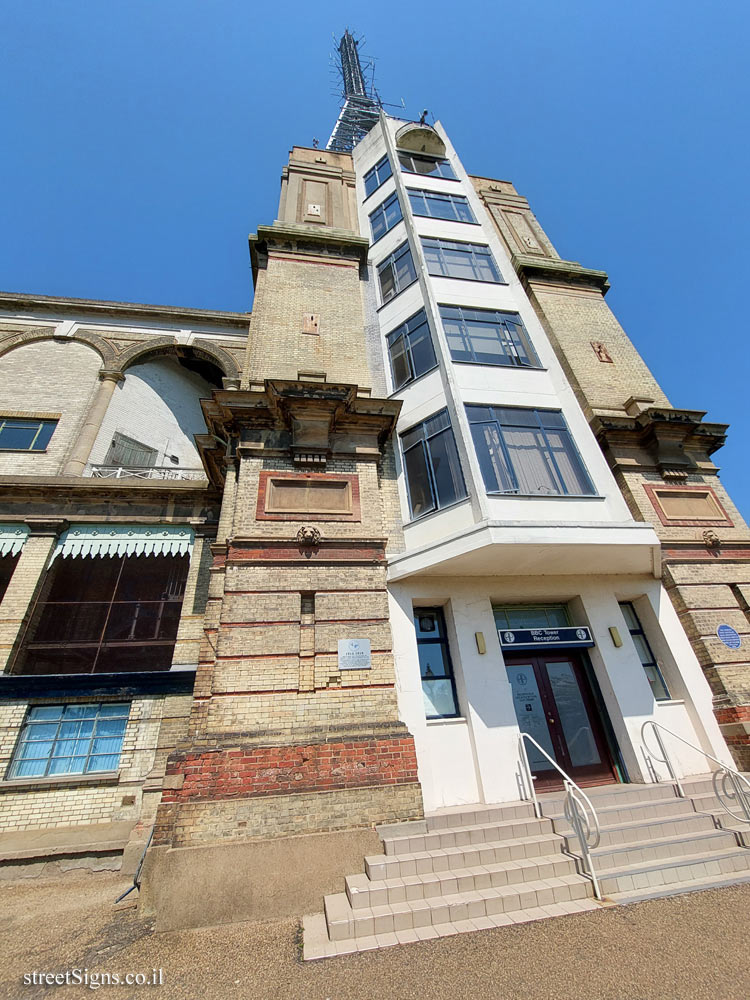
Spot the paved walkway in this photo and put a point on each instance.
(692, 947)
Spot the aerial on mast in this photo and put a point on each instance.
(361, 104)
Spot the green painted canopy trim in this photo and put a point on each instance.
(12, 537)
(125, 540)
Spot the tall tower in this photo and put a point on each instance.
(361, 106)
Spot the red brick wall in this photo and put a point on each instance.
(244, 772)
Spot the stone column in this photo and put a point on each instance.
(17, 601)
(79, 456)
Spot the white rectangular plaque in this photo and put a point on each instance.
(354, 654)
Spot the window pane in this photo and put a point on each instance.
(45, 712)
(446, 468)
(28, 769)
(459, 263)
(438, 422)
(387, 281)
(418, 205)
(105, 762)
(117, 708)
(498, 478)
(438, 699)
(463, 211)
(42, 731)
(571, 468)
(399, 363)
(16, 434)
(643, 650)
(418, 480)
(405, 272)
(433, 660)
(35, 750)
(392, 212)
(440, 208)
(658, 687)
(110, 727)
(630, 618)
(427, 622)
(531, 462)
(422, 351)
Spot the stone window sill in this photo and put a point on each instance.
(59, 781)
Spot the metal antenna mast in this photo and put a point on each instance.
(361, 106)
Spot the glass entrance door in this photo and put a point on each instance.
(554, 705)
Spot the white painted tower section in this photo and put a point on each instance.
(585, 552)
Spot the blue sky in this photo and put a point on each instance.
(144, 140)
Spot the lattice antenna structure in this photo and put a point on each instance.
(361, 103)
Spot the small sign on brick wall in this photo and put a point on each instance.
(354, 654)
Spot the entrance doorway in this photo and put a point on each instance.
(555, 706)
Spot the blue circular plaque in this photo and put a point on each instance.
(729, 636)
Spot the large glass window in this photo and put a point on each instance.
(428, 165)
(487, 337)
(70, 739)
(513, 616)
(410, 350)
(105, 614)
(377, 176)
(448, 259)
(650, 666)
(396, 272)
(438, 686)
(21, 434)
(385, 216)
(453, 207)
(433, 471)
(527, 451)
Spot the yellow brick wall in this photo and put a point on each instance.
(285, 291)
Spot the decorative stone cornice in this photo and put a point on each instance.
(559, 272)
(297, 419)
(306, 239)
(58, 306)
(675, 439)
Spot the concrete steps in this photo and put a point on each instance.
(652, 839)
(476, 867)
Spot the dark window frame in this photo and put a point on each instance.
(442, 641)
(405, 334)
(514, 338)
(548, 453)
(391, 261)
(424, 441)
(381, 212)
(42, 435)
(651, 662)
(32, 723)
(377, 173)
(84, 633)
(476, 252)
(445, 170)
(454, 200)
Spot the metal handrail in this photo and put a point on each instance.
(579, 811)
(731, 780)
(99, 471)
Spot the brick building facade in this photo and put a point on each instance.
(271, 580)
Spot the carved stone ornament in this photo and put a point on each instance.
(711, 539)
(308, 536)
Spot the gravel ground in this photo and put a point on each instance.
(692, 947)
